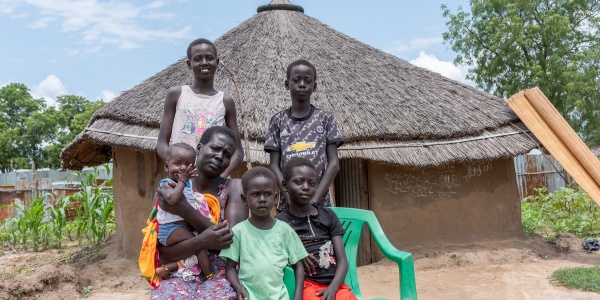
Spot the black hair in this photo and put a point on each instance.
(296, 162)
(184, 146)
(258, 172)
(198, 42)
(211, 131)
(300, 62)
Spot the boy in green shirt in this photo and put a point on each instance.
(262, 245)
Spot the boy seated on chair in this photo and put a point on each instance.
(319, 230)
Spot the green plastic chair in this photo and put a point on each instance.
(352, 220)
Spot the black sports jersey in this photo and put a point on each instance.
(307, 137)
(316, 232)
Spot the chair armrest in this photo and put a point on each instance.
(406, 266)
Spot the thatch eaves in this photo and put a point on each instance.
(387, 109)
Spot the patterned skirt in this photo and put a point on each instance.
(214, 288)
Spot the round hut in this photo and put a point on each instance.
(432, 157)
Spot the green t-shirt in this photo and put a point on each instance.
(262, 255)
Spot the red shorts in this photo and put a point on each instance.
(311, 288)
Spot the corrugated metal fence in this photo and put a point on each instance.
(28, 184)
(539, 170)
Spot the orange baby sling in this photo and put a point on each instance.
(148, 261)
(214, 207)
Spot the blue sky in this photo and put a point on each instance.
(98, 49)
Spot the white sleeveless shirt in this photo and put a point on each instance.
(194, 114)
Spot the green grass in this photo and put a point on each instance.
(587, 279)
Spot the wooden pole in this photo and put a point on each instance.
(542, 123)
(564, 131)
(242, 113)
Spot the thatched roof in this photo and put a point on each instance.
(388, 110)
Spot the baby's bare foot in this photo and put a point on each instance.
(162, 273)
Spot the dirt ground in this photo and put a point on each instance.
(513, 269)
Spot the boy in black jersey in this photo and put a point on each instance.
(304, 130)
(319, 230)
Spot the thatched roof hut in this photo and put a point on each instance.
(388, 109)
(431, 156)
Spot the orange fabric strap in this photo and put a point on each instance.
(214, 207)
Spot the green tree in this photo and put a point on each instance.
(41, 128)
(31, 132)
(17, 108)
(74, 114)
(511, 45)
(80, 120)
(7, 136)
(70, 106)
(16, 104)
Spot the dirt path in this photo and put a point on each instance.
(516, 269)
(507, 281)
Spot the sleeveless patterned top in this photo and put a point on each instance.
(194, 114)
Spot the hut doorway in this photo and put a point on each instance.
(352, 190)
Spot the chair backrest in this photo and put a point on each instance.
(352, 221)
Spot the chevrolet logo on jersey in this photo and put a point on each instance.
(301, 146)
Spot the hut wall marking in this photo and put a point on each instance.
(463, 203)
(445, 181)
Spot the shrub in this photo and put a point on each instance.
(566, 210)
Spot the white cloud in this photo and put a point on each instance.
(49, 89)
(156, 4)
(418, 43)
(41, 23)
(22, 15)
(445, 68)
(7, 6)
(106, 96)
(71, 51)
(159, 16)
(93, 49)
(110, 22)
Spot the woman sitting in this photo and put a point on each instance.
(214, 152)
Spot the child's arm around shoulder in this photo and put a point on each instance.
(231, 123)
(166, 123)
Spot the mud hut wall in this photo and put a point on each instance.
(135, 178)
(458, 203)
